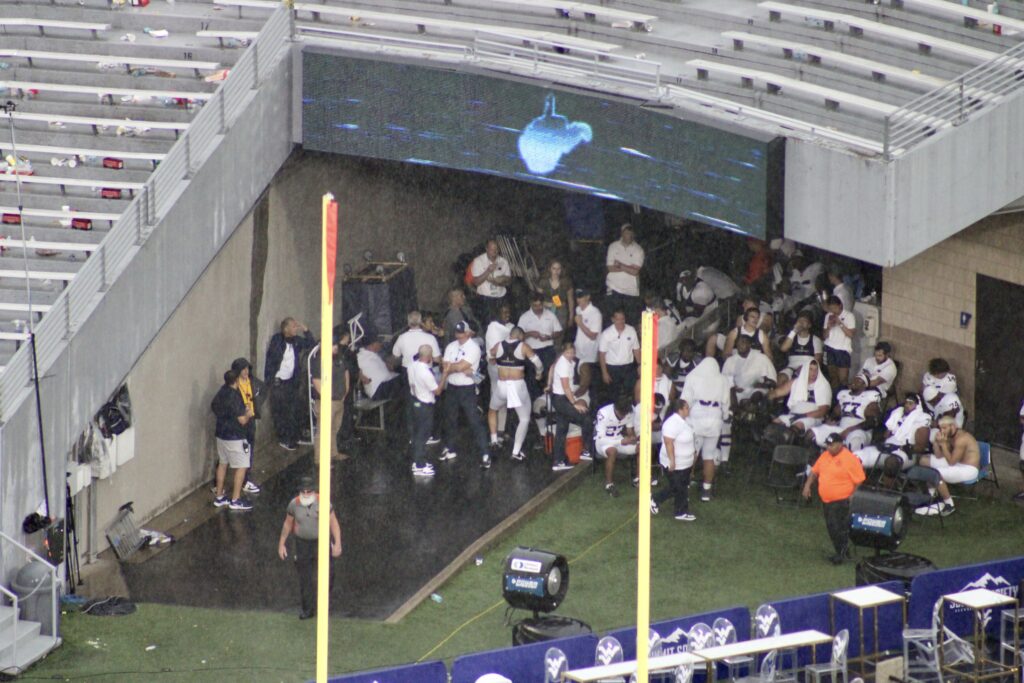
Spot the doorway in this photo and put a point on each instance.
(998, 361)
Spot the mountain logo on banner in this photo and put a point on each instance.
(988, 581)
(674, 642)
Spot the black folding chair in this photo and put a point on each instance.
(788, 472)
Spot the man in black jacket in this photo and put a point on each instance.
(282, 372)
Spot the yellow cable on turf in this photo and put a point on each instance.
(500, 602)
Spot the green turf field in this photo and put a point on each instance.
(742, 550)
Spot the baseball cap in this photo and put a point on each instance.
(833, 438)
(685, 273)
(461, 327)
(580, 293)
(930, 392)
(307, 484)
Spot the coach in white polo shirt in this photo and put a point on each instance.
(491, 275)
(405, 348)
(625, 260)
(424, 390)
(461, 361)
(541, 330)
(618, 353)
(588, 328)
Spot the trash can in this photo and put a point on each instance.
(33, 585)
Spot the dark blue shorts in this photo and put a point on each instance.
(837, 358)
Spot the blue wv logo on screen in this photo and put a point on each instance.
(549, 137)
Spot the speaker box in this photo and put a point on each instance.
(878, 518)
(892, 567)
(384, 293)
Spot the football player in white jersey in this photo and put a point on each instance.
(857, 409)
(613, 437)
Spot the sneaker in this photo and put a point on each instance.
(585, 455)
(654, 507)
(947, 509)
(518, 457)
(252, 487)
(447, 455)
(654, 481)
(561, 467)
(1019, 496)
(636, 482)
(705, 495)
(611, 490)
(221, 501)
(286, 446)
(433, 441)
(485, 461)
(425, 471)
(930, 510)
(240, 504)
(686, 517)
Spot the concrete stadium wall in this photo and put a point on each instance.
(136, 307)
(887, 213)
(923, 297)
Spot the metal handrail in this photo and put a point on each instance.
(130, 231)
(53, 594)
(956, 101)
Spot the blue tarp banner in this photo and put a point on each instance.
(523, 664)
(427, 672)
(1003, 576)
(673, 631)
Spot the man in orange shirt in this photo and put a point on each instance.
(838, 473)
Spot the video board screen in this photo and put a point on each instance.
(605, 147)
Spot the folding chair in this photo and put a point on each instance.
(986, 471)
(788, 471)
(920, 488)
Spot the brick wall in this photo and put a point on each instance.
(922, 298)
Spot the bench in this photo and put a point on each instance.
(104, 92)
(970, 15)
(43, 24)
(61, 214)
(364, 405)
(17, 243)
(64, 183)
(221, 36)
(95, 122)
(568, 9)
(98, 59)
(818, 55)
(833, 99)
(422, 23)
(859, 26)
(23, 149)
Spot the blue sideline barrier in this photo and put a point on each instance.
(1003, 576)
(525, 662)
(673, 631)
(427, 672)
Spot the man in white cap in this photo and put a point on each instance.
(460, 363)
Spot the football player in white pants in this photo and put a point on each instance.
(907, 433)
(614, 437)
(854, 408)
(708, 393)
(956, 457)
(810, 397)
(511, 357)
